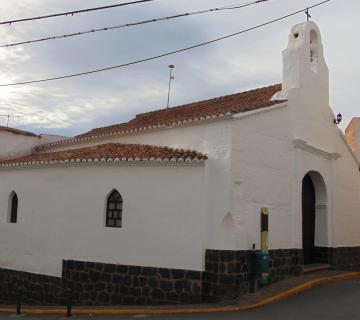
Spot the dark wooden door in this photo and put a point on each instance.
(308, 219)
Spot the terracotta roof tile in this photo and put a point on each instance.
(207, 109)
(16, 131)
(111, 152)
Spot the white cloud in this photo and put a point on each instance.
(250, 60)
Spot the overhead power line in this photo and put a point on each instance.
(71, 13)
(131, 24)
(167, 53)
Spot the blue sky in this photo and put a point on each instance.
(73, 106)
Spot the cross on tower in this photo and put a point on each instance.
(308, 16)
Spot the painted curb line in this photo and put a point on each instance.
(283, 295)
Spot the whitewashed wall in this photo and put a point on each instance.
(61, 215)
(273, 151)
(213, 139)
(262, 167)
(337, 216)
(15, 145)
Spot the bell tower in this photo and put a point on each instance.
(304, 65)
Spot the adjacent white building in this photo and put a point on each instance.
(182, 189)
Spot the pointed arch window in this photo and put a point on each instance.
(13, 208)
(114, 208)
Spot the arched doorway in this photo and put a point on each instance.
(308, 219)
(314, 215)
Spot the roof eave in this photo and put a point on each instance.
(101, 162)
(247, 114)
(187, 122)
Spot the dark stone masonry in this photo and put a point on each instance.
(343, 258)
(34, 288)
(227, 275)
(110, 284)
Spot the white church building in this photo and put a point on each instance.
(166, 207)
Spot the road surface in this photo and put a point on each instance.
(335, 301)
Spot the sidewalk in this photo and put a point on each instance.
(278, 291)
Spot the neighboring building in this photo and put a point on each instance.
(15, 143)
(166, 207)
(352, 132)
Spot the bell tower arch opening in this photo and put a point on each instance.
(314, 50)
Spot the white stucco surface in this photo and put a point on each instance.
(213, 139)
(61, 215)
(273, 151)
(15, 145)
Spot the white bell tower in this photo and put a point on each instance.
(304, 64)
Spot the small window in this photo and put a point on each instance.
(114, 210)
(13, 208)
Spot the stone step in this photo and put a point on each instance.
(316, 267)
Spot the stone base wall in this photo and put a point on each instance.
(342, 258)
(109, 284)
(89, 283)
(32, 288)
(285, 262)
(228, 273)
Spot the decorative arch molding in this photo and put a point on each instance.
(303, 145)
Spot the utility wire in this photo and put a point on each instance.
(71, 13)
(230, 7)
(167, 53)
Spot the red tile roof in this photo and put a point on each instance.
(16, 131)
(202, 110)
(111, 152)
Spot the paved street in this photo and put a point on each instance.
(334, 301)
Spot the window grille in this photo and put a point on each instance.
(114, 210)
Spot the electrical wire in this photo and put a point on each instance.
(71, 13)
(167, 53)
(230, 7)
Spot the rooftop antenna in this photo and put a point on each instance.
(171, 77)
(9, 116)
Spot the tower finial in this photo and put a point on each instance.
(308, 16)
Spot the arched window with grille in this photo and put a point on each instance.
(114, 206)
(13, 207)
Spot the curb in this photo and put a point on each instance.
(283, 295)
